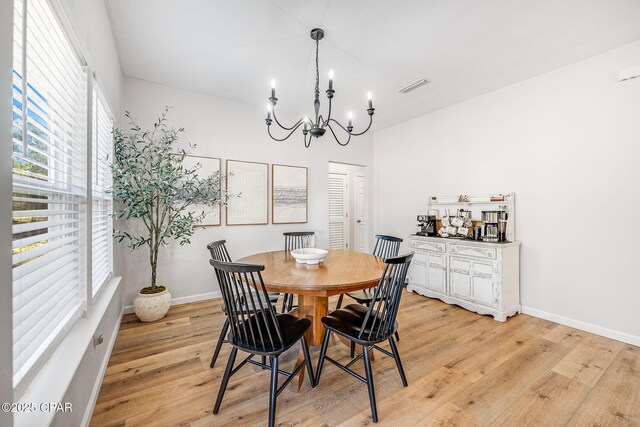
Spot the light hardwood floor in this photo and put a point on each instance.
(463, 369)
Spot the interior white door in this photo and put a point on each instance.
(338, 211)
(360, 214)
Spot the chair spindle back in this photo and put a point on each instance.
(387, 246)
(219, 251)
(297, 239)
(254, 323)
(382, 312)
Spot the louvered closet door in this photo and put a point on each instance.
(338, 208)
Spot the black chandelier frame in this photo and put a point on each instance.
(319, 126)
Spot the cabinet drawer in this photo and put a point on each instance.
(476, 251)
(428, 246)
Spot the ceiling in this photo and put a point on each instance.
(232, 49)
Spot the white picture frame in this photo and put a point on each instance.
(289, 194)
(248, 188)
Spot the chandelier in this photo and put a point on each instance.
(319, 126)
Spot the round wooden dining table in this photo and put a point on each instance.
(342, 271)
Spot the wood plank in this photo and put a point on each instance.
(409, 404)
(588, 361)
(615, 399)
(450, 415)
(162, 376)
(166, 374)
(492, 394)
(474, 365)
(565, 335)
(550, 402)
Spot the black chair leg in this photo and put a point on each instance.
(323, 352)
(290, 305)
(263, 359)
(397, 336)
(353, 349)
(307, 360)
(396, 356)
(273, 388)
(225, 379)
(372, 393)
(223, 334)
(340, 301)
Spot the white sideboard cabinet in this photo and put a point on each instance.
(481, 277)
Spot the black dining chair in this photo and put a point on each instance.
(369, 326)
(386, 247)
(295, 240)
(257, 329)
(219, 252)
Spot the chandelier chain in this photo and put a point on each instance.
(317, 72)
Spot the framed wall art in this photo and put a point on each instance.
(209, 166)
(289, 194)
(247, 185)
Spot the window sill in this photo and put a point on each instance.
(52, 381)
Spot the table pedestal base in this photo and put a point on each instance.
(314, 308)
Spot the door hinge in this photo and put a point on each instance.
(346, 245)
(346, 215)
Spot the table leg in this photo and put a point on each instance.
(312, 308)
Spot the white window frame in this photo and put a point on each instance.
(85, 200)
(97, 100)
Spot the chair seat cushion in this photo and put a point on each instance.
(348, 321)
(292, 329)
(364, 296)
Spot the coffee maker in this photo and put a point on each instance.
(427, 224)
(494, 226)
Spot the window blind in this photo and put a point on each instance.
(102, 202)
(49, 185)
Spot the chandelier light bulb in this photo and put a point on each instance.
(350, 119)
(330, 79)
(269, 111)
(369, 98)
(273, 88)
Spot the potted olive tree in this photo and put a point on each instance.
(153, 186)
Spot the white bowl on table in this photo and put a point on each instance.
(309, 255)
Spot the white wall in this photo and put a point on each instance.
(229, 130)
(568, 144)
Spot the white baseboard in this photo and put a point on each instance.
(184, 300)
(584, 326)
(86, 419)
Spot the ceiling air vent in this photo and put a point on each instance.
(414, 85)
(628, 74)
